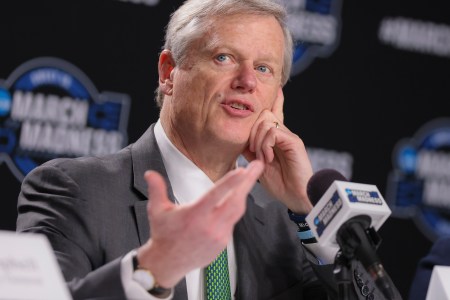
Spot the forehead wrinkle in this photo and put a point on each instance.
(212, 42)
(214, 39)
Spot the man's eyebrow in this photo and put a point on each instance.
(214, 45)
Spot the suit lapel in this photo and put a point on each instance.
(145, 155)
(140, 210)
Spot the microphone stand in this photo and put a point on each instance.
(343, 275)
(358, 240)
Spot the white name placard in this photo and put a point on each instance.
(28, 268)
(439, 287)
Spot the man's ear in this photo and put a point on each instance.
(166, 66)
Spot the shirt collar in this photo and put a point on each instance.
(188, 182)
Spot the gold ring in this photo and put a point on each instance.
(277, 125)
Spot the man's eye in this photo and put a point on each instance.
(222, 57)
(263, 69)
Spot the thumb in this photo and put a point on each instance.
(277, 108)
(157, 193)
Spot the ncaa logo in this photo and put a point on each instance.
(49, 109)
(315, 26)
(419, 185)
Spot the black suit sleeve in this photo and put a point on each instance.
(50, 203)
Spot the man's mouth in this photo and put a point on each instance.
(239, 106)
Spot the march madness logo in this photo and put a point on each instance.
(419, 185)
(49, 109)
(315, 26)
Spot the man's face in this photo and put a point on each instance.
(230, 75)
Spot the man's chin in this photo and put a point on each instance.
(233, 143)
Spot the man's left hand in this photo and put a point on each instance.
(288, 168)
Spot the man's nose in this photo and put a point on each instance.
(245, 79)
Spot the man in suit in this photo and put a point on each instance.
(221, 74)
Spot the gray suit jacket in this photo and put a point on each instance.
(93, 211)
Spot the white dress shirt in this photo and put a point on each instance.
(189, 183)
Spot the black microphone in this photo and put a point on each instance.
(345, 214)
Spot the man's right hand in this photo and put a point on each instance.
(186, 237)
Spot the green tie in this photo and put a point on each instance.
(217, 278)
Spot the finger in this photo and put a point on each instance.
(222, 187)
(254, 170)
(265, 128)
(237, 180)
(277, 108)
(248, 154)
(248, 178)
(265, 117)
(268, 146)
(157, 193)
(233, 205)
(253, 132)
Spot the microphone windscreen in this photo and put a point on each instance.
(319, 183)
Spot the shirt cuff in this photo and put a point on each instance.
(304, 233)
(324, 255)
(134, 290)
